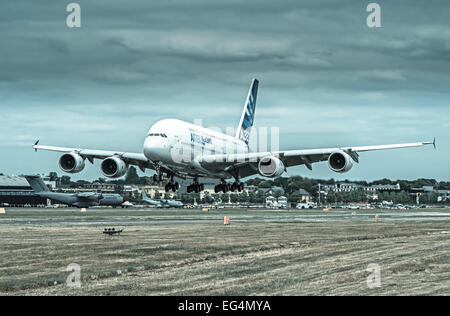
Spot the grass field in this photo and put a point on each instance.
(189, 252)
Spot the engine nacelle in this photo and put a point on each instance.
(114, 167)
(271, 167)
(71, 163)
(340, 162)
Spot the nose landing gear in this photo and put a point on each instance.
(171, 185)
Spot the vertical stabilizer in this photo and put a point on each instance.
(248, 115)
(37, 184)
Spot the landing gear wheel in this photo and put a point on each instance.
(226, 188)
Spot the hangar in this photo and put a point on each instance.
(15, 191)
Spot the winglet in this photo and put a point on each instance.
(431, 143)
(35, 144)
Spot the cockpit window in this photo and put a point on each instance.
(157, 135)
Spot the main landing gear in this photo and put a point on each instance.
(172, 186)
(227, 187)
(195, 187)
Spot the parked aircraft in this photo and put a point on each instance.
(180, 149)
(81, 200)
(161, 203)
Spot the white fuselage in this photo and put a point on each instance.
(179, 144)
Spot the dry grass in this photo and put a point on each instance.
(240, 259)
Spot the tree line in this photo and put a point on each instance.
(288, 186)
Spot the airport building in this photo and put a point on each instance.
(100, 187)
(349, 187)
(15, 191)
(441, 195)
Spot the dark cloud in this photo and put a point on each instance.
(146, 60)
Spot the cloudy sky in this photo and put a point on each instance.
(326, 79)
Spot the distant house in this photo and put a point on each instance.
(272, 191)
(304, 195)
(250, 188)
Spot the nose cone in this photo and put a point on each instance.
(154, 148)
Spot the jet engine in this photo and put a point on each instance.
(114, 167)
(71, 163)
(340, 162)
(271, 167)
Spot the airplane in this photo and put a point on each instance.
(180, 149)
(81, 200)
(161, 203)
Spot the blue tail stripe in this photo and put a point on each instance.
(249, 113)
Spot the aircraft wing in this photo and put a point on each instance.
(136, 159)
(86, 194)
(152, 202)
(90, 154)
(246, 164)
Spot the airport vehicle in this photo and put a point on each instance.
(161, 203)
(112, 231)
(304, 205)
(81, 200)
(52, 206)
(180, 149)
(127, 204)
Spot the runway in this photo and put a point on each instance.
(190, 252)
(108, 216)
